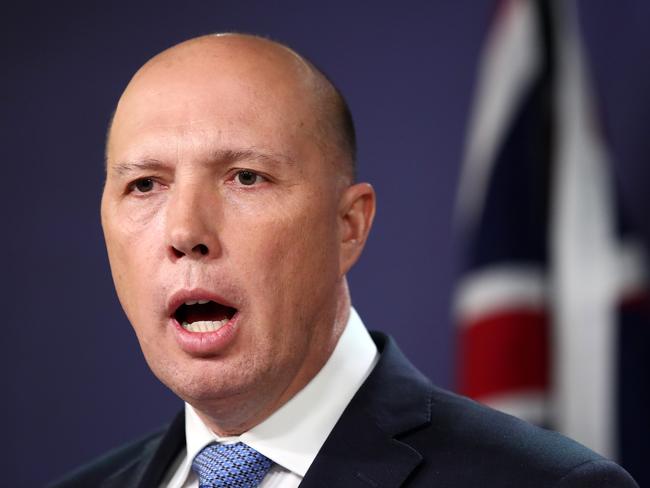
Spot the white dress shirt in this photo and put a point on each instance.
(292, 436)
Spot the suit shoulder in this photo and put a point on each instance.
(93, 472)
(503, 450)
(597, 473)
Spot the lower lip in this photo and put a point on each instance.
(206, 343)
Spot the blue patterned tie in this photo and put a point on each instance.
(230, 466)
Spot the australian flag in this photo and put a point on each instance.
(552, 306)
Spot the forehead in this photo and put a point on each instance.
(212, 95)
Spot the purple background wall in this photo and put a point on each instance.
(74, 380)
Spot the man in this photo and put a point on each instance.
(231, 218)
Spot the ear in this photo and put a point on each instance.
(356, 212)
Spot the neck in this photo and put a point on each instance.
(235, 416)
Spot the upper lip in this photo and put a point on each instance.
(179, 297)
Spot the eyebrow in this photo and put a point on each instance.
(145, 164)
(251, 154)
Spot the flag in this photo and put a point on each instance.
(552, 277)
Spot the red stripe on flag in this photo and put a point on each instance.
(504, 352)
(639, 300)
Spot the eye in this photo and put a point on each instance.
(142, 185)
(248, 178)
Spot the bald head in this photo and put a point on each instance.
(262, 67)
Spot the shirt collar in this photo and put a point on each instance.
(290, 437)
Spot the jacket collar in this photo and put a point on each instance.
(364, 448)
(148, 469)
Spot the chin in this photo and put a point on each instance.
(204, 380)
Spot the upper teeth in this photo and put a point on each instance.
(194, 302)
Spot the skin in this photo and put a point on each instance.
(177, 216)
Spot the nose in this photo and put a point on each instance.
(191, 222)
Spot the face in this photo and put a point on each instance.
(223, 226)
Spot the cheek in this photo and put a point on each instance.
(130, 242)
(289, 255)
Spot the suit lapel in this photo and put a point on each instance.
(364, 449)
(149, 469)
(359, 454)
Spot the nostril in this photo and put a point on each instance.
(202, 248)
(198, 250)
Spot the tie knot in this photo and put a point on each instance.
(230, 466)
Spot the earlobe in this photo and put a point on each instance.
(357, 212)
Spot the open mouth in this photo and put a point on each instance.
(203, 315)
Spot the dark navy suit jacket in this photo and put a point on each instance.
(398, 430)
